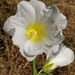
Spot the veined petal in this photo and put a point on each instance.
(65, 57)
(31, 58)
(55, 48)
(10, 25)
(26, 55)
(61, 22)
(54, 15)
(47, 12)
(57, 39)
(54, 31)
(19, 38)
(33, 48)
(54, 35)
(58, 26)
(26, 11)
(39, 7)
(51, 39)
(25, 14)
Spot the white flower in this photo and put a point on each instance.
(62, 58)
(35, 27)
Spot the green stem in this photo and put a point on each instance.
(33, 68)
(39, 72)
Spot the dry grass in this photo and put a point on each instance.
(11, 61)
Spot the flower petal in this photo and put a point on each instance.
(65, 57)
(24, 15)
(55, 48)
(58, 38)
(31, 58)
(26, 55)
(54, 15)
(26, 11)
(61, 23)
(51, 39)
(39, 7)
(19, 38)
(34, 48)
(10, 25)
(58, 25)
(54, 31)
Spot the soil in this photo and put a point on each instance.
(12, 62)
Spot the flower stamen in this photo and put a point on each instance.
(35, 32)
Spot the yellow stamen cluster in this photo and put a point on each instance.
(35, 31)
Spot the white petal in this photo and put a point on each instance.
(39, 7)
(49, 53)
(26, 55)
(21, 19)
(24, 15)
(61, 22)
(10, 25)
(52, 39)
(47, 12)
(31, 58)
(32, 48)
(61, 17)
(27, 11)
(54, 15)
(54, 32)
(55, 48)
(58, 38)
(19, 38)
(65, 57)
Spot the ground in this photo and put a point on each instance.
(12, 62)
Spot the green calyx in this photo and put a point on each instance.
(47, 67)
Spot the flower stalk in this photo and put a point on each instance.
(34, 71)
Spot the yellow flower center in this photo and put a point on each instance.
(35, 31)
